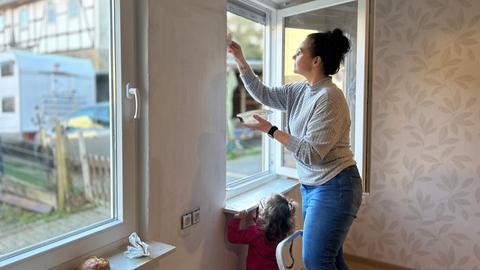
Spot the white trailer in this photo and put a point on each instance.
(38, 89)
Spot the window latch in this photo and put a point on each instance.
(132, 93)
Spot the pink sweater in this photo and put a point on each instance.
(261, 254)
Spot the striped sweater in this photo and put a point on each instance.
(318, 124)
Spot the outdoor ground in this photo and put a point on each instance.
(41, 230)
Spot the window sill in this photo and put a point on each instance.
(157, 250)
(249, 200)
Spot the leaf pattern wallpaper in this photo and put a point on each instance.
(423, 211)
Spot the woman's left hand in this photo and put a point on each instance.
(263, 125)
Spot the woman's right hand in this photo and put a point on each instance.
(236, 51)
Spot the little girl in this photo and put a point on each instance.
(273, 222)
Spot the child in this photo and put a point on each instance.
(273, 222)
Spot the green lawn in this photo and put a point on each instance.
(31, 175)
(236, 153)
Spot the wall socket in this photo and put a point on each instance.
(186, 220)
(190, 218)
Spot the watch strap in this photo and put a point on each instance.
(272, 131)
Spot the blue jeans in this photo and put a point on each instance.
(328, 211)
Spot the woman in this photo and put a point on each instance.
(319, 138)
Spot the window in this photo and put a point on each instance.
(8, 105)
(294, 20)
(319, 16)
(77, 211)
(73, 8)
(7, 68)
(247, 150)
(23, 18)
(297, 27)
(51, 12)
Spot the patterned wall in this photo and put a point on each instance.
(423, 211)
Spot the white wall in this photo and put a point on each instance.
(186, 60)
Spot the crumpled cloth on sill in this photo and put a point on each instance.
(137, 247)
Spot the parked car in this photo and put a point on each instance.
(92, 123)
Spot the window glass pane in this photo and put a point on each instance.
(2, 22)
(51, 12)
(244, 146)
(8, 104)
(23, 17)
(73, 8)
(297, 27)
(7, 68)
(55, 134)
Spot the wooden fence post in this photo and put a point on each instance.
(63, 181)
(85, 170)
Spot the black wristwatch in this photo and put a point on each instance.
(272, 131)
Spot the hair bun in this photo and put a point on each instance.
(331, 46)
(340, 41)
(337, 32)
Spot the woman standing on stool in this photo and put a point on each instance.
(319, 139)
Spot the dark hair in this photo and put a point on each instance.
(277, 217)
(331, 46)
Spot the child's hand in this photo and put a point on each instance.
(241, 215)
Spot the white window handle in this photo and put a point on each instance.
(132, 92)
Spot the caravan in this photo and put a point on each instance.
(37, 90)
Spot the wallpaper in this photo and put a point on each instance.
(423, 211)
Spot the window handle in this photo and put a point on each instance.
(132, 92)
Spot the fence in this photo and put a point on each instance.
(25, 164)
(38, 169)
(97, 179)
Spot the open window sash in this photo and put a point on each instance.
(360, 123)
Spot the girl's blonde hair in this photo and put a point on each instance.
(277, 218)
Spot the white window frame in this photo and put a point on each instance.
(273, 75)
(361, 151)
(248, 7)
(108, 234)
